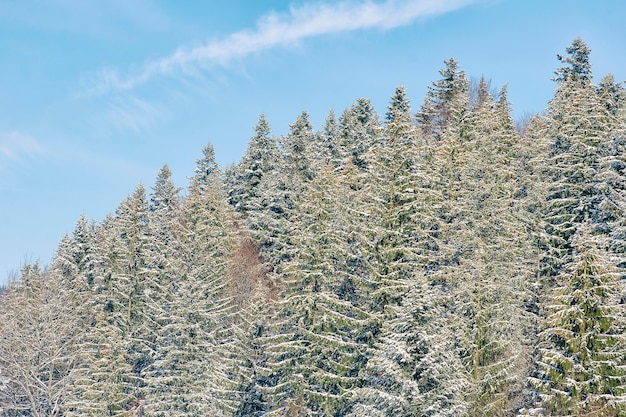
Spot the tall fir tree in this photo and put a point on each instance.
(436, 110)
(190, 373)
(257, 164)
(414, 368)
(296, 166)
(322, 325)
(582, 348)
(578, 67)
(360, 127)
(331, 153)
(106, 381)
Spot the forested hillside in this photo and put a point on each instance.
(430, 261)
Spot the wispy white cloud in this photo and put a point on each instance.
(128, 112)
(275, 30)
(16, 147)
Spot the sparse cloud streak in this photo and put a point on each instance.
(16, 146)
(127, 112)
(271, 31)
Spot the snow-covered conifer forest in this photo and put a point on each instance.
(438, 260)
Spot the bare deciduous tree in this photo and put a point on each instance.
(38, 349)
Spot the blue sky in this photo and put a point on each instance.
(96, 96)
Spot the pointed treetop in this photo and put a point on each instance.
(138, 196)
(503, 109)
(330, 139)
(297, 142)
(365, 111)
(165, 193)
(399, 108)
(451, 70)
(134, 205)
(330, 125)
(262, 128)
(612, 94)
(302, 125)
(262, 146)
(503, 99)
(436, 111)
(579, 68)
(483, 96)
(453, 79)
(206, 168)
(361, 115)
(81, 230)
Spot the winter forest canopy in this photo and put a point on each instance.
(438, 261)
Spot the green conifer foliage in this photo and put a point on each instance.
(275, 222)
(190, 372)
(74, 257)
(436, 110)
(485, 262)
(322, 327)
(256, 165)
(396, 198)
(131, 278)
(414, 367)
(574, 129)
(579, 67)
(612, 94)
(105, 380)
(331, 152)
(582, 348)
(360, 127)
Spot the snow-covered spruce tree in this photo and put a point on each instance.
(415, 367)
(165, 195)
(190, 371)
(479, 267)
(434, 113)
(578, 67)
(39, 352)
(105, 381)
(123, 324)
(162, 296)
(574, 131)
(611, 176)
(74, 256)
(102, 378)
(359, 127)
(582, 349)
(274, 222)
(496, 261)
(132, 278)
(286, 220)
(255, 166)
(75, 265)
(399, 198)
(164, 224)
(331, 152)
(582, 174)
(322, 326)
(612, 94)
(215, 239)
